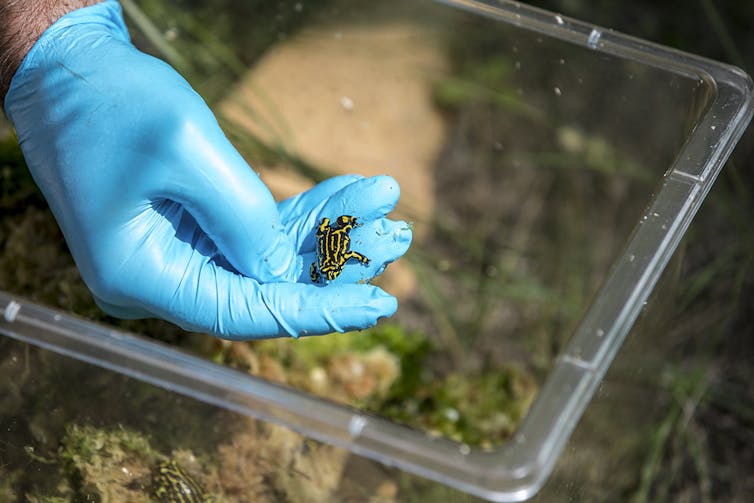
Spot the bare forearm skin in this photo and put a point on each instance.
(22, 22)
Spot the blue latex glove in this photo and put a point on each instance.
(162, 215)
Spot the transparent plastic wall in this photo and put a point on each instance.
(660, 121)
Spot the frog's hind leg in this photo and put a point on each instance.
(314, 273)
(358, 256)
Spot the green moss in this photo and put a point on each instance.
(394, 338)
(482, 409)
(310, 352)
(106, 464)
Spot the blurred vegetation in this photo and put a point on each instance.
(17, 189)
(193, 35)
(689, 362)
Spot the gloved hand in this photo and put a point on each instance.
(162, 215)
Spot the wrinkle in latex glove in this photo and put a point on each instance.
(162, 215)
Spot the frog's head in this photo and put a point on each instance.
(346, 222)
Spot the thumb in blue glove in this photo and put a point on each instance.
(162, 215)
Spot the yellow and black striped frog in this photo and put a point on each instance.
(334, 248)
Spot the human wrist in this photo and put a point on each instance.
(22, 22)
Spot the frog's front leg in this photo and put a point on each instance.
(323, 226)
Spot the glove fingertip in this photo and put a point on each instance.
(382, 303)
(387, 190)
(376, 304)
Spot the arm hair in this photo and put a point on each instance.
(22, 22)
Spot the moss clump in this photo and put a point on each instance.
(267, 463)
(489, 405)
(359, 368)
(481, 409)
(393, 372)
(106, 464)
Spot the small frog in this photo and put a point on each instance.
(174, 485)
(334, 248)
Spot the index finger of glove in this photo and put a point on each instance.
(366, 199)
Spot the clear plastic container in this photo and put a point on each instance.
(656, 123)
